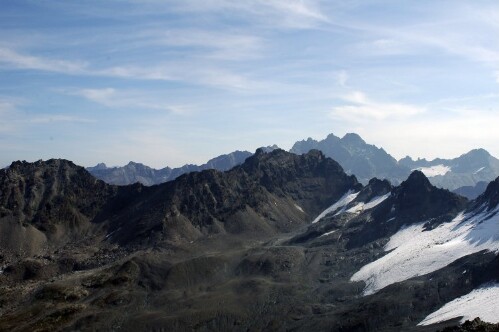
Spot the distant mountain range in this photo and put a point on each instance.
(136, 172)
(289, 239)
(467, 174)
(467, 170)
(364, 160)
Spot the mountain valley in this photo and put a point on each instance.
(280, 242)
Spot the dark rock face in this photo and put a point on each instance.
(283, 173)
(419, 199)
(490, 198)
(45, 205)
(374, 188)
(357, 157)
(265, 194)
(35, 193)
(136, 172)
(476, 325)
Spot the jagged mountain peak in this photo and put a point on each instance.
(270, 148)
(284, 159)
(331, 137)
(99, 166)
(28, 168)
(417, 181)
(477, 153)
(48, 202)
(377, 187)
(261, 151)
(353, 138)
(417, 199)
(135, 164)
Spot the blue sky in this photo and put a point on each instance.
(175, 82)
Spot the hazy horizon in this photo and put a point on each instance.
(168, 83)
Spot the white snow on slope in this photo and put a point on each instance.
(479, 170)
(376, 201)
(482, 302)
(369, 205)
(434, 170)
(328, 233)
(299, 208)
(416, 252)
(344, 200)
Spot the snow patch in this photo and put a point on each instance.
(111, 234)
(479, 170)
(343, 201)
(482, 302)
(369, 205)
(299, 208)
(328, 233)
(356, 209)
(415, 252)
(434, 170)
(376, 201)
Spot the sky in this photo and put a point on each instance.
(172, 82)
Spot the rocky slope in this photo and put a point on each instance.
(281, 242)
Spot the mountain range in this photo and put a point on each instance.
(282, 241)
(467, 174)
(136, 172)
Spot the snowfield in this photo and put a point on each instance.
(434, 170)
(415, 252)
(482, 302)
(369, 205)
(343, 201)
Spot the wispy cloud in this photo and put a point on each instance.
(14, 118)
(281, 13)
(23, 61)
(113, 98)
(53, 118)
(220, 45)
(191, 71)
(465, 31)
(187, 72)
(361, 109)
